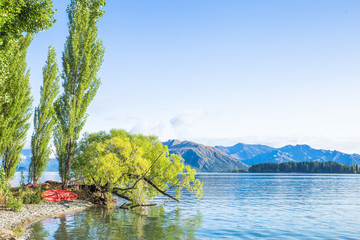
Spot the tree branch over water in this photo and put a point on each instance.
(159, 190)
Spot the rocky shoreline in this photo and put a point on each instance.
(32, 213)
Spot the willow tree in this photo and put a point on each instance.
(17, 110)
(44, 118)
(82, 58)
(133, 167)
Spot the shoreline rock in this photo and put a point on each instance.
(32, 213)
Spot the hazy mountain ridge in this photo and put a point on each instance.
(297, 153)
(203, 158)
(243, 151)
(240, 156)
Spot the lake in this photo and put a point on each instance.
(234, 206)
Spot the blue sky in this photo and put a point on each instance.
(224, 71)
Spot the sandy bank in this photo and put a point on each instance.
(32, 213)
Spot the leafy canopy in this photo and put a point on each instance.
(44, 118)
(29, 16)
(15, 112)
(136, 166)
(82, 58)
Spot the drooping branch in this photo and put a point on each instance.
(122, 189)
(173, 185)
(146, 171)
(122, 196)
(159, 190)
(139, 179)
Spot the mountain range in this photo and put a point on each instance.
(299, 153)
(240, 156)
(243, 151)
(204, 158)
(53, 165)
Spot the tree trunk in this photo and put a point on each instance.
(67, 167)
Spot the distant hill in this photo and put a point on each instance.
(301, 153)
(240, 156)
(53, 165)
(204, 158)
(243, 151)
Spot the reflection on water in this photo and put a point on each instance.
(39, 231)
(100, 223)
(234, 206)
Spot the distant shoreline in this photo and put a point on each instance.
(305, 167)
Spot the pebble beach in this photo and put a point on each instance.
(31, 213)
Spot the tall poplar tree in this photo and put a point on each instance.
(82, 58)
(16, 111)
(16, 18)
(44, 118)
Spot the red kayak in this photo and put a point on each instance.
(58, 195)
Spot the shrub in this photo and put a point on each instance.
(30, 197)
(15, 204)
(4, 187)
(18, 231)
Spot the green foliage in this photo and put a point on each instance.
(18, 231)
(44, 119)
(305, 167)
(82, 58)
(22, 179)
(16, 18)
(136, 166)
(14, 204)
(29, 16)
(17, 109)
(6, 196)
(28, 196)
(4, 187)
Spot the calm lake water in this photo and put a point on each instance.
(234, 206)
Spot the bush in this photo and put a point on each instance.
(15, 204)
(30, 197)
(6, 196)
(18, 231)
(4, 187)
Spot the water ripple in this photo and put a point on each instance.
(234, 206)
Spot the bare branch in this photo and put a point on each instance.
(96, 184)
(122, 196)
(137, 181)
(173, 185)
(159, 190)
(147, 171)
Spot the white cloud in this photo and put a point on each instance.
(149, 128)
(187, 117)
